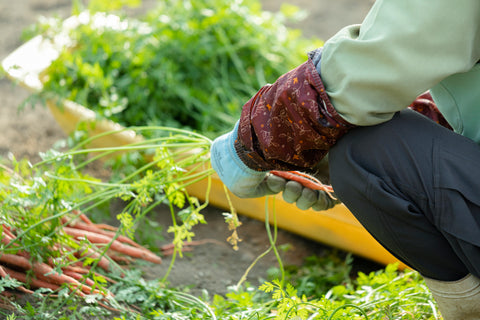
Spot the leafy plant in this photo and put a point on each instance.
(187, 64)
(385, 294)
(378, 295)
(317, 274)
(39, 200)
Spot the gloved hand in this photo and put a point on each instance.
(240, 179)
(248, 183)
(288, 125)
(306, 198)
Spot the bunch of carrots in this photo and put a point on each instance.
(76, 274)
(46, 239)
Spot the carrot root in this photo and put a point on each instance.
(305, 180)
(74, 274)
(115, 245)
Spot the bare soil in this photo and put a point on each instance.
(213, 265)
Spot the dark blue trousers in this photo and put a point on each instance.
(415, 186)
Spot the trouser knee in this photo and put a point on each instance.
(383, 174)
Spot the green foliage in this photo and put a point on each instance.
(389, 294)
(35, 197)
(187, 64)
(102, 6)
(318, 273)
(33, 200)
(9, 283)
(385, 294)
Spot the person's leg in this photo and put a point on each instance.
(415, 186)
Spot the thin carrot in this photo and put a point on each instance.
(81, 270)
(6, 239)
(171, 246)
(8, 232)
(103, 262)
(4, 274)
(115, 245)
(88, 282)
(43, 271)
(79, 277)
(35, 283)
(105, 226)
(76, 269)
(305, 180)
(93, 228)
(169, 252)
(121, 259)
(82, 216)
(85, 219)
(168, 249)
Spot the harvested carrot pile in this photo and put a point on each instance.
(92, 245)
(48, 242)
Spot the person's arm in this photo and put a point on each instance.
(289, 125)
(362, 77)
(402, 49)
(366, 74)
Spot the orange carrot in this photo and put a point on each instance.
(120, 259)
(169, 252)
(76, 269)
(7, 232)
(85, 219)
(35, 283)
(171, 246)
(6, 239)
(4, 274)
(94, 228)
(103, 262)
(88, 282)
(305, 180)
(115, 245)
(41, 270)
(82, 216)
(81, 270)
(105, 226)
(79, 277)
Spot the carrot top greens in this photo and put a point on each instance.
(187, 64)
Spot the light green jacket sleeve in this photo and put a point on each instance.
(402, 49)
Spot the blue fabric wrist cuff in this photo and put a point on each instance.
(236, 175)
